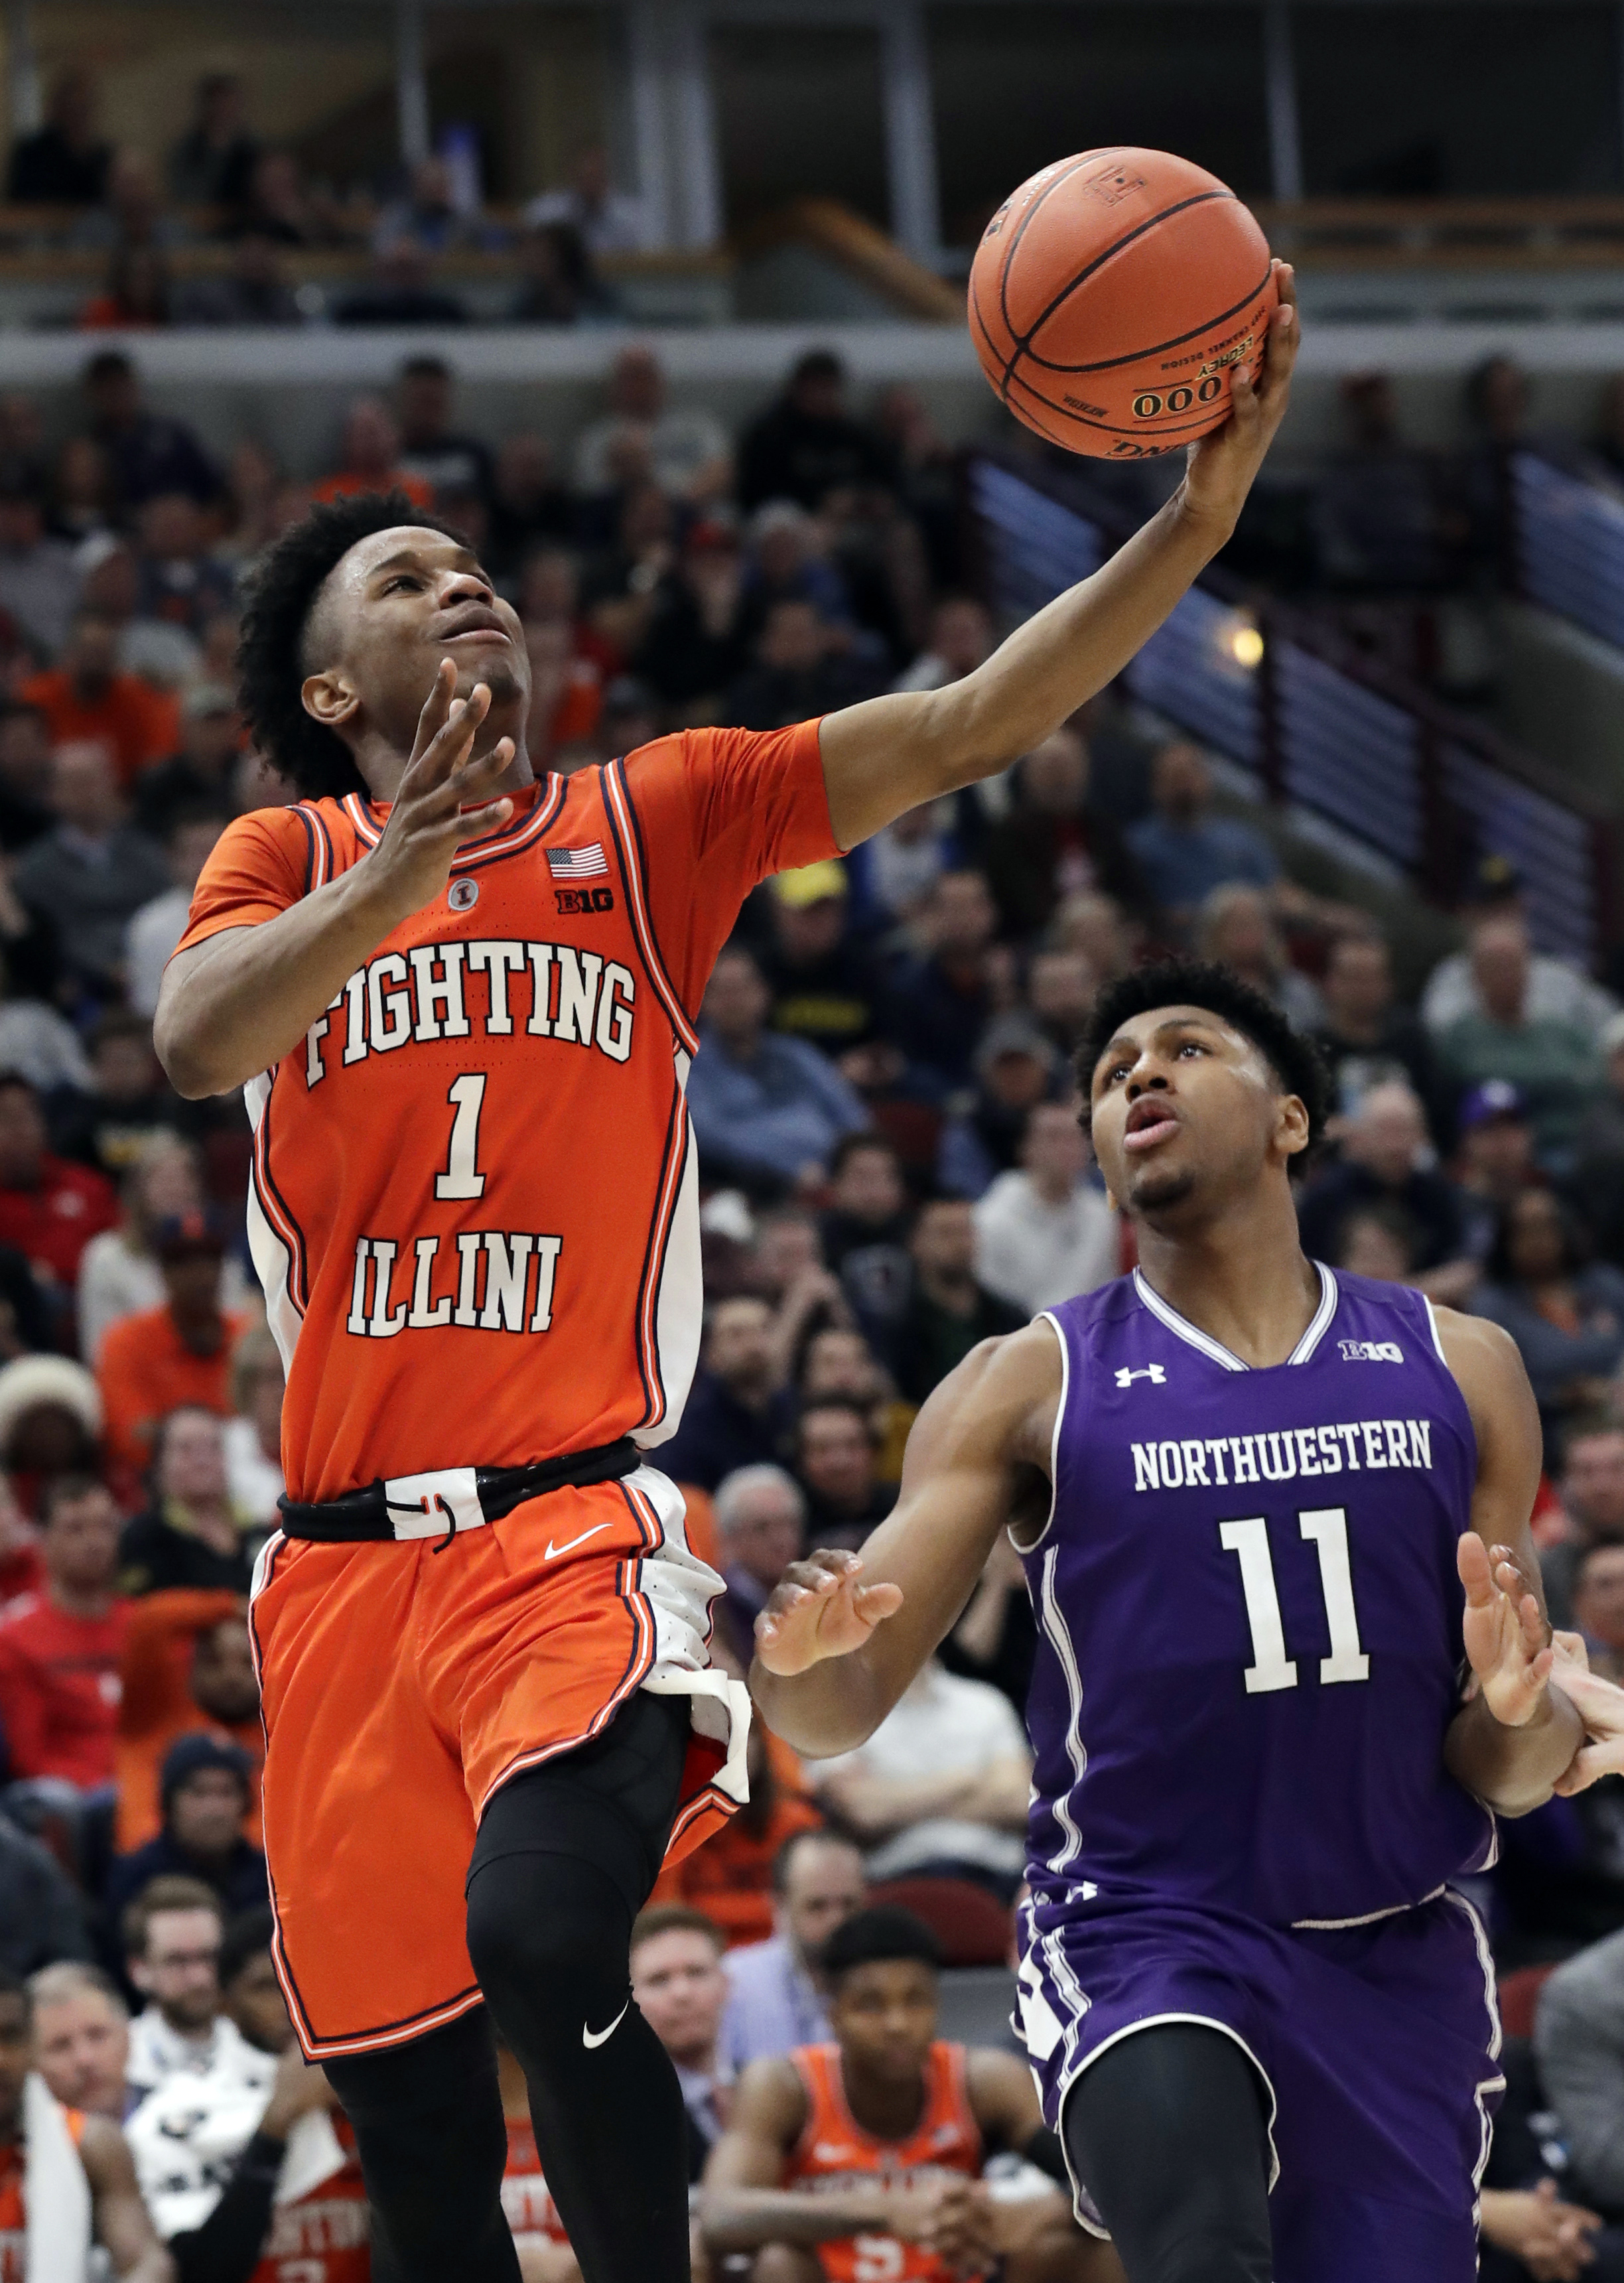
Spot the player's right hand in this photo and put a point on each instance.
(445, 798)
(949, 2215)
(819, 1609)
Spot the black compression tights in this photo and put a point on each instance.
(1167, 2132)
(564, 1859)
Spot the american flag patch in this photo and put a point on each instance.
(588, 864)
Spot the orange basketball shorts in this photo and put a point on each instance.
(402, 1684)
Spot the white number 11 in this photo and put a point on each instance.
(1327, 1529)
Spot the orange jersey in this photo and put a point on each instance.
(833, 2150)
(525, 2197)
(13, 2211)
(323, 2236)
(475, 1198)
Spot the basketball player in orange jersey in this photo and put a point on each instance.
(860, 2161)
(461, 1003)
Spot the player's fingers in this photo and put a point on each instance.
(474, 823)
(452, 742)
(873, 1603)
(1472, 1566)
(436, 705)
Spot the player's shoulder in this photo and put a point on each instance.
(1480, 1353)
(773, 2093)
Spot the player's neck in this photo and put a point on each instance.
(382, 765)
(1240, 1278)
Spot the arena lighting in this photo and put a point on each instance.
(1244, 642)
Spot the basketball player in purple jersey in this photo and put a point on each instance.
(1263, 1507)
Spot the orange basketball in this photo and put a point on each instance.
(1111, 297)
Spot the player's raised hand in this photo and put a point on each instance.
(819, 1609)
(1508, 1642)
(445, 797)
(1219, 469)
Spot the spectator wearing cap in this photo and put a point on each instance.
(51, 1417)
(1494, 1160)
(822, 984)
(39, 578)
(49, 1209)
(1566, 1313)
(949, 1310)
(768, 1111)
(189, 837)
(1184, 851)
(87, 698)
(1015, 1068)
(1051, 843)
(147, 452)
(1366, 1037)
(686, 452)
(187, 1670)
(65, 162)
(940, 1002)
(1551, 1059)
(179, 1353)
(193, 1534)
(91, 873)
(204, 1789)
(1043, 1232)
(836, 1463)
(1554, 991)
(61, 1652)
(806, 444)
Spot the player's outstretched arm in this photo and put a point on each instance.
(234, 1005)
(1516, 1735)
(890, 753)
(842, 1635)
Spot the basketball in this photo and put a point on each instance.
(1113, 296)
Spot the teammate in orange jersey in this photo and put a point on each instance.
(860, 2161)
(461, 1005)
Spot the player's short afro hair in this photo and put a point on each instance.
(278, 593)
(869, 1936)
(1295, 1060)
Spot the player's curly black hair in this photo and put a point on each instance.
(879, 1934)
(1295, 1060)
(278, 593)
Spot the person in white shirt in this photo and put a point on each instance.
(686, 454)
(943, 1785)
(154, 930)
(254, 1437)
(172, 1935)
(1556, 992)
(608, 221)
(1043, 1234)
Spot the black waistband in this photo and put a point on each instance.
(362, 1515)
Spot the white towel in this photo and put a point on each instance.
(55, 2192)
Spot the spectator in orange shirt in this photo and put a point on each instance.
(177, 1355)
(86, 698)
(371, 455)
(60, 1652)
(188, 1669)
(730, 1878)
(49, 1210)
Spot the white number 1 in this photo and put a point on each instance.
(1327, 1529)
(462, 1178)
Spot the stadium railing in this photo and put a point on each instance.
(1312, 725)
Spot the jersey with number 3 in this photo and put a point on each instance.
(474, 1207)
(1249, 1613)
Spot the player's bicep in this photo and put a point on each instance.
(1003, 2099)
(881, 758)
(1505, 1419)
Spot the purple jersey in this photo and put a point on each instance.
(1249, 1613)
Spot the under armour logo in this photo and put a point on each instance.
(1150, 1371)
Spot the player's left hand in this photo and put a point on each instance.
(1508, 1642)
(1219, 469)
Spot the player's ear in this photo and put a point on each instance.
(329, 697)
(1292, 1131)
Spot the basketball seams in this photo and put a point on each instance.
(1137, 356)
(1084, 158)
(1120, 245)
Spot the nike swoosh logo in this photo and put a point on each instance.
(554, 1551)
(593, 2038)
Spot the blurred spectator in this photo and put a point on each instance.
(147, 452)
(80, 2035)
(995, 1638)
(1043, 1233)
(91, 872)
(1367, 1038)
(42, 1918)
(81, 489)
(253, 292)
(25, 776)
(1015, 1072)
(197, 780)
(606, 220)
(686, 454)
(1378, 1242)
(836, 1454)
(941, 1785)
(86, 699)
(428, 215)
(1381, 520)
(1386, 1162)
(838, 1360)
(948, 1311)
(177, 1355)
(39, 579)
(49, 1209)
(1184, 852)
(212, 163)
(620, 580)
(371, 458)
(761, 1524)
(822, 984)
(61, 1653)
(790, 561)
(1060, 986)
(1550, 1060)
(157, 651)
(679, 1988)
(203, 1787)
(431, 450)
(131, 219)
(1094, 926)
(1494, 1162)
(730, 1878)
(865, 1229)
(21, 1571)
(192, 1534)
(118, 1274)
(768, 1111)
(399, 291)
(694, 647)
(800, 672)
(253, 1436)
(178, 579)
(529, 505)
(138, 296)
(927, 484)
(1597, 1178)
(894, 871)
(731, 1419)
(279, 206)
(188, 1670)
(558, 282)
(806, 443)
(51, 1415)
(960, 640)
(1237, 930)
(1565, 1314)
(775, 1998)
(1554, 991)
(171, 1938)
(1050, 843)
(63, 163)
(941, 1003)
(1598, 1606)
(157, 926)
(1579, 2039)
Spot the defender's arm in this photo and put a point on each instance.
(842, 1637)
(889, 755)
(1510, 1744)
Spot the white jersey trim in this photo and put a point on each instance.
(1059, 1640)
(1047, 1316)
(1370, 1918)
(1495, 2084)
(1319, 1323)
(1431, 1325)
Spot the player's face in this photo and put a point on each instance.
(1185, 1112)
(397, 605)
(885, 2016)
(254, 2000)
